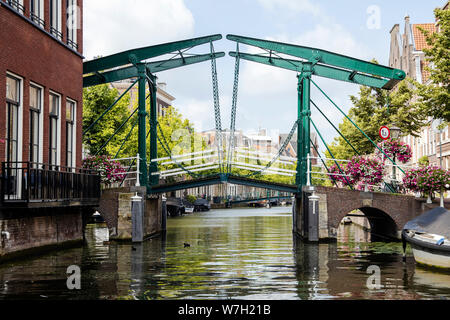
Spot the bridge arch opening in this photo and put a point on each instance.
(367, 224)
(95, 228)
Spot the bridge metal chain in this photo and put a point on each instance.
(217, 117)
(233, 110)
(166, 148)
(280, 151)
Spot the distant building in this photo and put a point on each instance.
(163, 98)
(406, 53)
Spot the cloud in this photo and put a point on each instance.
(291, 6)
(109, 27)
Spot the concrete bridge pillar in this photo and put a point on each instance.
(116, 208)
(311, 216)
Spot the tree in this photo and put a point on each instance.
(96, 100)
(436, 96)
(373, 108)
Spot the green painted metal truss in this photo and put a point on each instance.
(325, 64)
(306, 61)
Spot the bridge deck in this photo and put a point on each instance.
(217, 179)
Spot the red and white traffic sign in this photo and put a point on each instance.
(384, 133)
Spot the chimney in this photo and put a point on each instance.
(162, 85)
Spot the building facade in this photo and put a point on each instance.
(406, 53)
(43, 192)
(163, 98)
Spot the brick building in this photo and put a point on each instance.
(43, 91)
(406, 53)
(42, 195)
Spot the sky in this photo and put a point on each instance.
(267, 96)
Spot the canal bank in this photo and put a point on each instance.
(233, 254)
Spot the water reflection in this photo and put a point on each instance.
(236, 254)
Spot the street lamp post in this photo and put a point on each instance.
(395, 134)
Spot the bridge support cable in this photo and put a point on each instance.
(233, 111)
(331, 153)
(338, 131)
(117, 131)
(323, 162)
(166, 148)
(355, 125)
(280, 151)
(110, 107)
(217, 118)
(126, 139)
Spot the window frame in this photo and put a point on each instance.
(37, 12)
(56, 19)
(40, 131)
(54, 120)
(72, 16)
(71, 124)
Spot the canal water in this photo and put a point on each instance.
(229, 254)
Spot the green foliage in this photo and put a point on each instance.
(191, 198)
(374, 108)
(95, 101)
(436, 96)
(424, 161)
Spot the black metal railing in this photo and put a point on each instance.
(36, 182)
(36, 19)
(72, 44)
(16, 5)
(58, 34)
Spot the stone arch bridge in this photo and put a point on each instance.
(318, 220)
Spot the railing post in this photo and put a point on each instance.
(138, 171)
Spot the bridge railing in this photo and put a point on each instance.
(130, 176)
(389, 183)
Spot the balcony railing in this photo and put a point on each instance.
(16, 5)
(36, 19)
(25, 182)
(56, 33)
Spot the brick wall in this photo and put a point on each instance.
(28, 52)
(44, 227)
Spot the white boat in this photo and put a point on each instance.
(188, 209)
(429, 237)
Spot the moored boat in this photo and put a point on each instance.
(429, 237)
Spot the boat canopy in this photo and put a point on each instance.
(435, 221)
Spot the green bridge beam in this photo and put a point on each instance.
(137, 55)
(153, 67)
(327, 58)
(318, 70)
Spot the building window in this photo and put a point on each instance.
(37, 12)
(35, 123)
(12, 118)
(72, 23)
(70, 134)
(55, 19)
(54, 129)
(17, 4)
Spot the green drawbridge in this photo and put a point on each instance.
(306, 62)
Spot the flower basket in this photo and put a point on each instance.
(395, 149)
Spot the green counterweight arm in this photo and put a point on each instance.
(137, 55)
(318, 70)
(153, 67)
(314, 55)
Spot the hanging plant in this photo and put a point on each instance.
(359, 172)
(427, 180)
(110, 171)
(395, 148)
